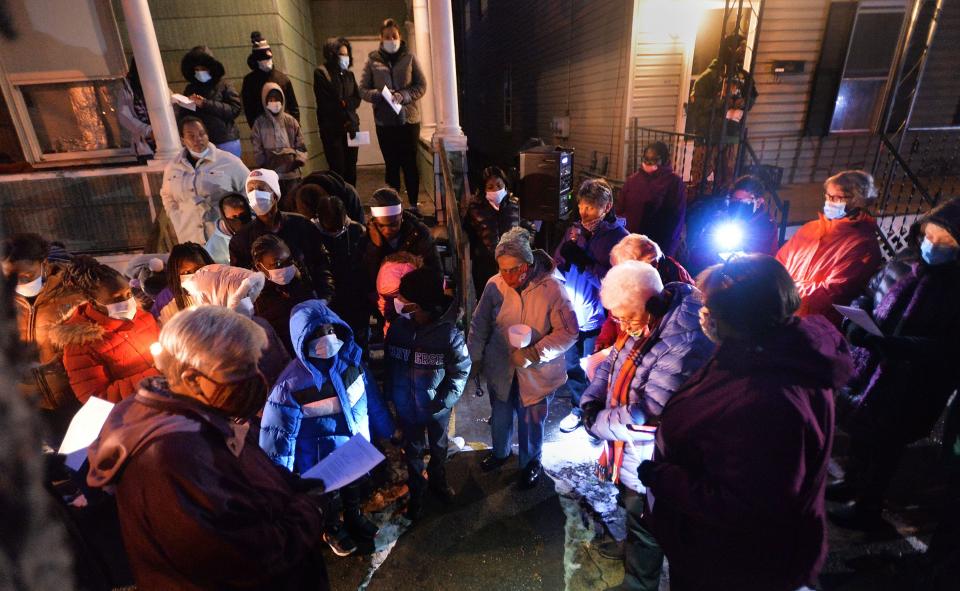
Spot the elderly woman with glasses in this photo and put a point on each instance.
(660, 345)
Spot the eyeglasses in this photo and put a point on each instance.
(831, 197)
(628, 323)
(512, 270)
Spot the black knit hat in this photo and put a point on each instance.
(261, 49)
(424, 287)
(947, 216)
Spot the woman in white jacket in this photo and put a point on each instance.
(521, 375)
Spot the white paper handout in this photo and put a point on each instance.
(362, 138)
(83, 430)
(186, 103)
(347, 463)
(861, 319)
(388, 96)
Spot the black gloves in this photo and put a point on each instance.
(589, 412)
(575, 255)
(645, 471)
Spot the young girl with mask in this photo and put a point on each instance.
(286, 286)
(106, 340)
(278, 143)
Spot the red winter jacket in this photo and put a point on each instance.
(831, 262)
(103, 356)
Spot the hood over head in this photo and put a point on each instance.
(307, 317)
(947, 216)
(201, 56)
(223, 285)
(266, 90)
(331, 49)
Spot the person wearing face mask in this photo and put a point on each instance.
(216, 102)
(182, 262)
(201, 506)
(390, 230)
(324, 397)
(40, 300)
(583, 258)
(285, 287)
(106, 339)
(302, 237)
(394, 267)
(277, 141)
(395, 68)
(264, 70)
(235, 213)
(491, 212)
(735, 487)
(832, 258)
(913, 300)
(660, 345)
(338, 98)
(653, 200)
(195, 180)
(521, 377)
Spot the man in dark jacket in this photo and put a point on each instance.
(391, 230)
(201, 506)
(303, 238)
(217, 102)
(338, 97)
(427, 369)
(653, 200)
(332, 183)
(262, 70)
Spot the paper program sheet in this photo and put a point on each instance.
(83, 430)
(186, 103)
(860, 318)
(349, 462)
(388, 96)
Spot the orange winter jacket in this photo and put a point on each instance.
(831, 262)
(103, 356)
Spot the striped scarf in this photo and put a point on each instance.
(611, 458)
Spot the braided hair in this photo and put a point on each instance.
(86, 275)
(186, 251)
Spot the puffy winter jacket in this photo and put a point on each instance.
(484, 226)
(414, 238)
(352, 300)
(544, 306)
(190, 193)
(338, 98)
(253, 84)
(583, 283)
(655, 205)
(399, 73)
(277, 140)
(427, 367)
(304, 419)
(674, 351)
(222, 104)
(831, 262)
(103, 356)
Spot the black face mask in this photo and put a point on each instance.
(236, 224)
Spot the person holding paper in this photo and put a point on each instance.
(201, 506)
(215, 100)
(338, 98)
(277, 140)
(323, 398)
(426, 370)
(904, 377)
(393, 81)
(390, 230)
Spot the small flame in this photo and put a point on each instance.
(155, 349)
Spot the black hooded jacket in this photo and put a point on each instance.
(253, 85)
(222, 104)
(336, 91)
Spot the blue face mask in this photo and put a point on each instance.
(834, 211)
(937, 255)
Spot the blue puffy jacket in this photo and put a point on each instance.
(675, 350)
(316, 405)
(427, 367)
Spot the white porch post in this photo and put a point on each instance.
(143, 39)
(445, 69)
(421, 26)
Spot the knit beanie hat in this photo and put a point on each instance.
(261, 49)
(947, 216)
(423, 287)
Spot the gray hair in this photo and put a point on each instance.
(629, 285)
(210, 339)
(515, 243)
(857, 186)
(597, 192)
(635, 247)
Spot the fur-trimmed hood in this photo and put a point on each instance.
(79, 326)
(201, 56)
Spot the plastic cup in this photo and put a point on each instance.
(520, 335)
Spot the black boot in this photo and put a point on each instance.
(358, 525)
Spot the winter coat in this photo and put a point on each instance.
(545, 307)
(201, 506)
(306, 245)
(655, 205)
(304, 419)
(190, 193)
(831, 262)
(427, 368)
(252, 85)
(103, 356)
(338, 98)
(414, 238)
(675, 349)
(277, 141)
(222, 104)
(903, 381)
(484, 226)
(47, 382)
(399, 73)
(335, 185)
(741, 459)
(275, 303)
(583, 284)
(352, 300)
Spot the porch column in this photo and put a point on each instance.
(445, 70)
(421, 26)
(143, 40)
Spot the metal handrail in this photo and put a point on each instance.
(906, 170)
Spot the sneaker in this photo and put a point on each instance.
(530, 475)
(340, 541)
(855, 516)
(492, 462)
(570, 423)
(611, 549)
(358, 525)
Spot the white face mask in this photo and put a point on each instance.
(202, 76)
(834, 211)
(199, 155)
(261, 202)
(344, 62)
(283, 275)
(30, 290)
(124, 310)
(391, 46)
(496, 197)
(399, 306)
(324, 347)
(274, 106)
(265, 65)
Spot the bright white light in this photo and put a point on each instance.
(728, 236)
(155, 349)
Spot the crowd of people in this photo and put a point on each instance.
(241, 358)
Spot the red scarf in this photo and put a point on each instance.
(611, 459)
